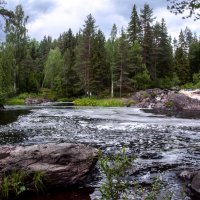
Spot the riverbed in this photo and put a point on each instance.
(163, 145)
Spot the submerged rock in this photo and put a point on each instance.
(62, 165)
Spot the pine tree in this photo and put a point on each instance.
(182, 65)
(147, 19)
(162, 52)
(101, 72)
(71, 86)
(134, 27)
(194, 57)
(84, 54)
(139, 77)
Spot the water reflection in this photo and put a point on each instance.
(8, 116)
(79, 194)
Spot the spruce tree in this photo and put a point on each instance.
(84, 54)
(182, 65)
(147, 19)
(134, 27)
(101, 72)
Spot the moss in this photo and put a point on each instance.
(169, 104)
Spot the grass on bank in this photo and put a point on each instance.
(21, 98)
(98, 102)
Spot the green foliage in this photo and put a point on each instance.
(169, 104)
(52, 71)
(155, 189)
(38, 181)
(16, 183)
(15, 101)
(114, 169)
(85, 64)
(98, 102)
(130, 103)
(142, 79)
(43, 94)
(196, 78)
(115, 185)
(5, 187)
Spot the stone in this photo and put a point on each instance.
(163, 100)
(62, 165)
(187, 175)
(195, 184)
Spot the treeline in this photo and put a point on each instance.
(86, 64)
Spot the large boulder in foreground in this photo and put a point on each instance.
(62, 165)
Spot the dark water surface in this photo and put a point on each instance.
(163, 145)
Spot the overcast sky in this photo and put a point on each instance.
(52, 17)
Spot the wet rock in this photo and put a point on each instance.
(158, 99)
(151, 155)
(62, 165)
(34, 101)
(187, 175)
(183, 102)
(195, 184)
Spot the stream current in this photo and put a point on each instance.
(163, 145)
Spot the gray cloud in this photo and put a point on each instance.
(52, 17)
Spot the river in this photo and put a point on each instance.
(163, 145)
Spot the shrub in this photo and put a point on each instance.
(16, 183)
(98, 102)
(114, 169)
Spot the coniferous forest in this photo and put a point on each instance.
(87, 63)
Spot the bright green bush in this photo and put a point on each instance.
(98, 102)
(15, 101)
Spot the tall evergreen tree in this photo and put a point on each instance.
(101, 72)
(71, 86)
(147, 19)
(134, 27)
(162, 52)
(182, 65)
(139, 77)
(194, 57)
(84, 54)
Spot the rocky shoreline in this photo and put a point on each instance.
(163, 100)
